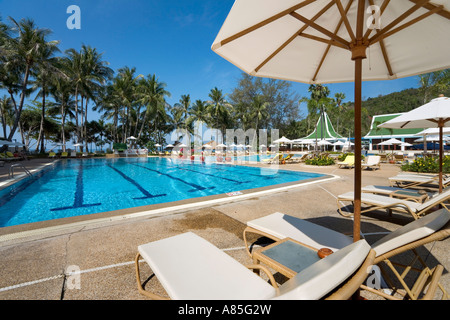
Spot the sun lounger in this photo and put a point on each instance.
(278, 226)
(52, 155)
(287, 159)
(191, 268)
(433, 227)
(275, 159)
(378, 202)
(64, 154)
(3, 157)
(349, 162)
(418, 181)
(372, 162)
(399, 158)
(396, 192)
(384, 158)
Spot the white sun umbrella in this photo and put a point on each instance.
(283, 140)
(390, 142)
(433, 138)
(170, 146)
(221, 146)
(338, 143)
(431, 132)
(322, 41)
(324, 142)
(208, 146)
(435, 114)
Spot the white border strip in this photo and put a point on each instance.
(41, 231)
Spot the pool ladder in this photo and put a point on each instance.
(18, 165)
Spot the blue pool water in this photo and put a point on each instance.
(78, 187)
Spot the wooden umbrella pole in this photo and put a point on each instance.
(357, 177)
(441, 152)
(358, 54)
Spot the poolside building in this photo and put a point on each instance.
(377, 135)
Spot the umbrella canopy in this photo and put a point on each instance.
(433, 132)
(435, 114)
(283, 140)
(390, 142)
(321, 41)
(431, 139)
(157, 145)
(324, 143)
(131, 138)
(221, 146)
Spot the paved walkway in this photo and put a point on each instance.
(34, 267)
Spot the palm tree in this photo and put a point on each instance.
(61, 91)
(6, 110)
(319, 98)
(88, 72)
(258, 110)
(183, 107)
(219, 109)
(338, 99)
(46, 69)
(126, 94)
(198, 113)
(23, 53)
(152, 95)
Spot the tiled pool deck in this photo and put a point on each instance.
(33, 258)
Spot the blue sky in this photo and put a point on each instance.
(170, 38)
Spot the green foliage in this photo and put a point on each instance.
(321, 160)
(119, 146)
(344, 155)
(428, 165)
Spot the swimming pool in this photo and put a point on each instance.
(76, 187)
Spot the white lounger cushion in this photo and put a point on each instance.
(283, 226)
(189, 267)
(381, 200)
(323, 276)
(413, 231)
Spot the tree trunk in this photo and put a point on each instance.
(42, 120)
(22, 99)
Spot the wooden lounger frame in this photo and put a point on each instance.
(399, 207)
(428, 277)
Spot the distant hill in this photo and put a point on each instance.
(396, 102)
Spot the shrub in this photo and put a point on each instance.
(428, 165)
(320, 160)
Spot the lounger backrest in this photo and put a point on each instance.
(436, 199)
(349, 159)
(413, 231)
(373, 159)
(322, 277)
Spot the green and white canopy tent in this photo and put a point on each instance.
(324, 130)
(376, 134)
